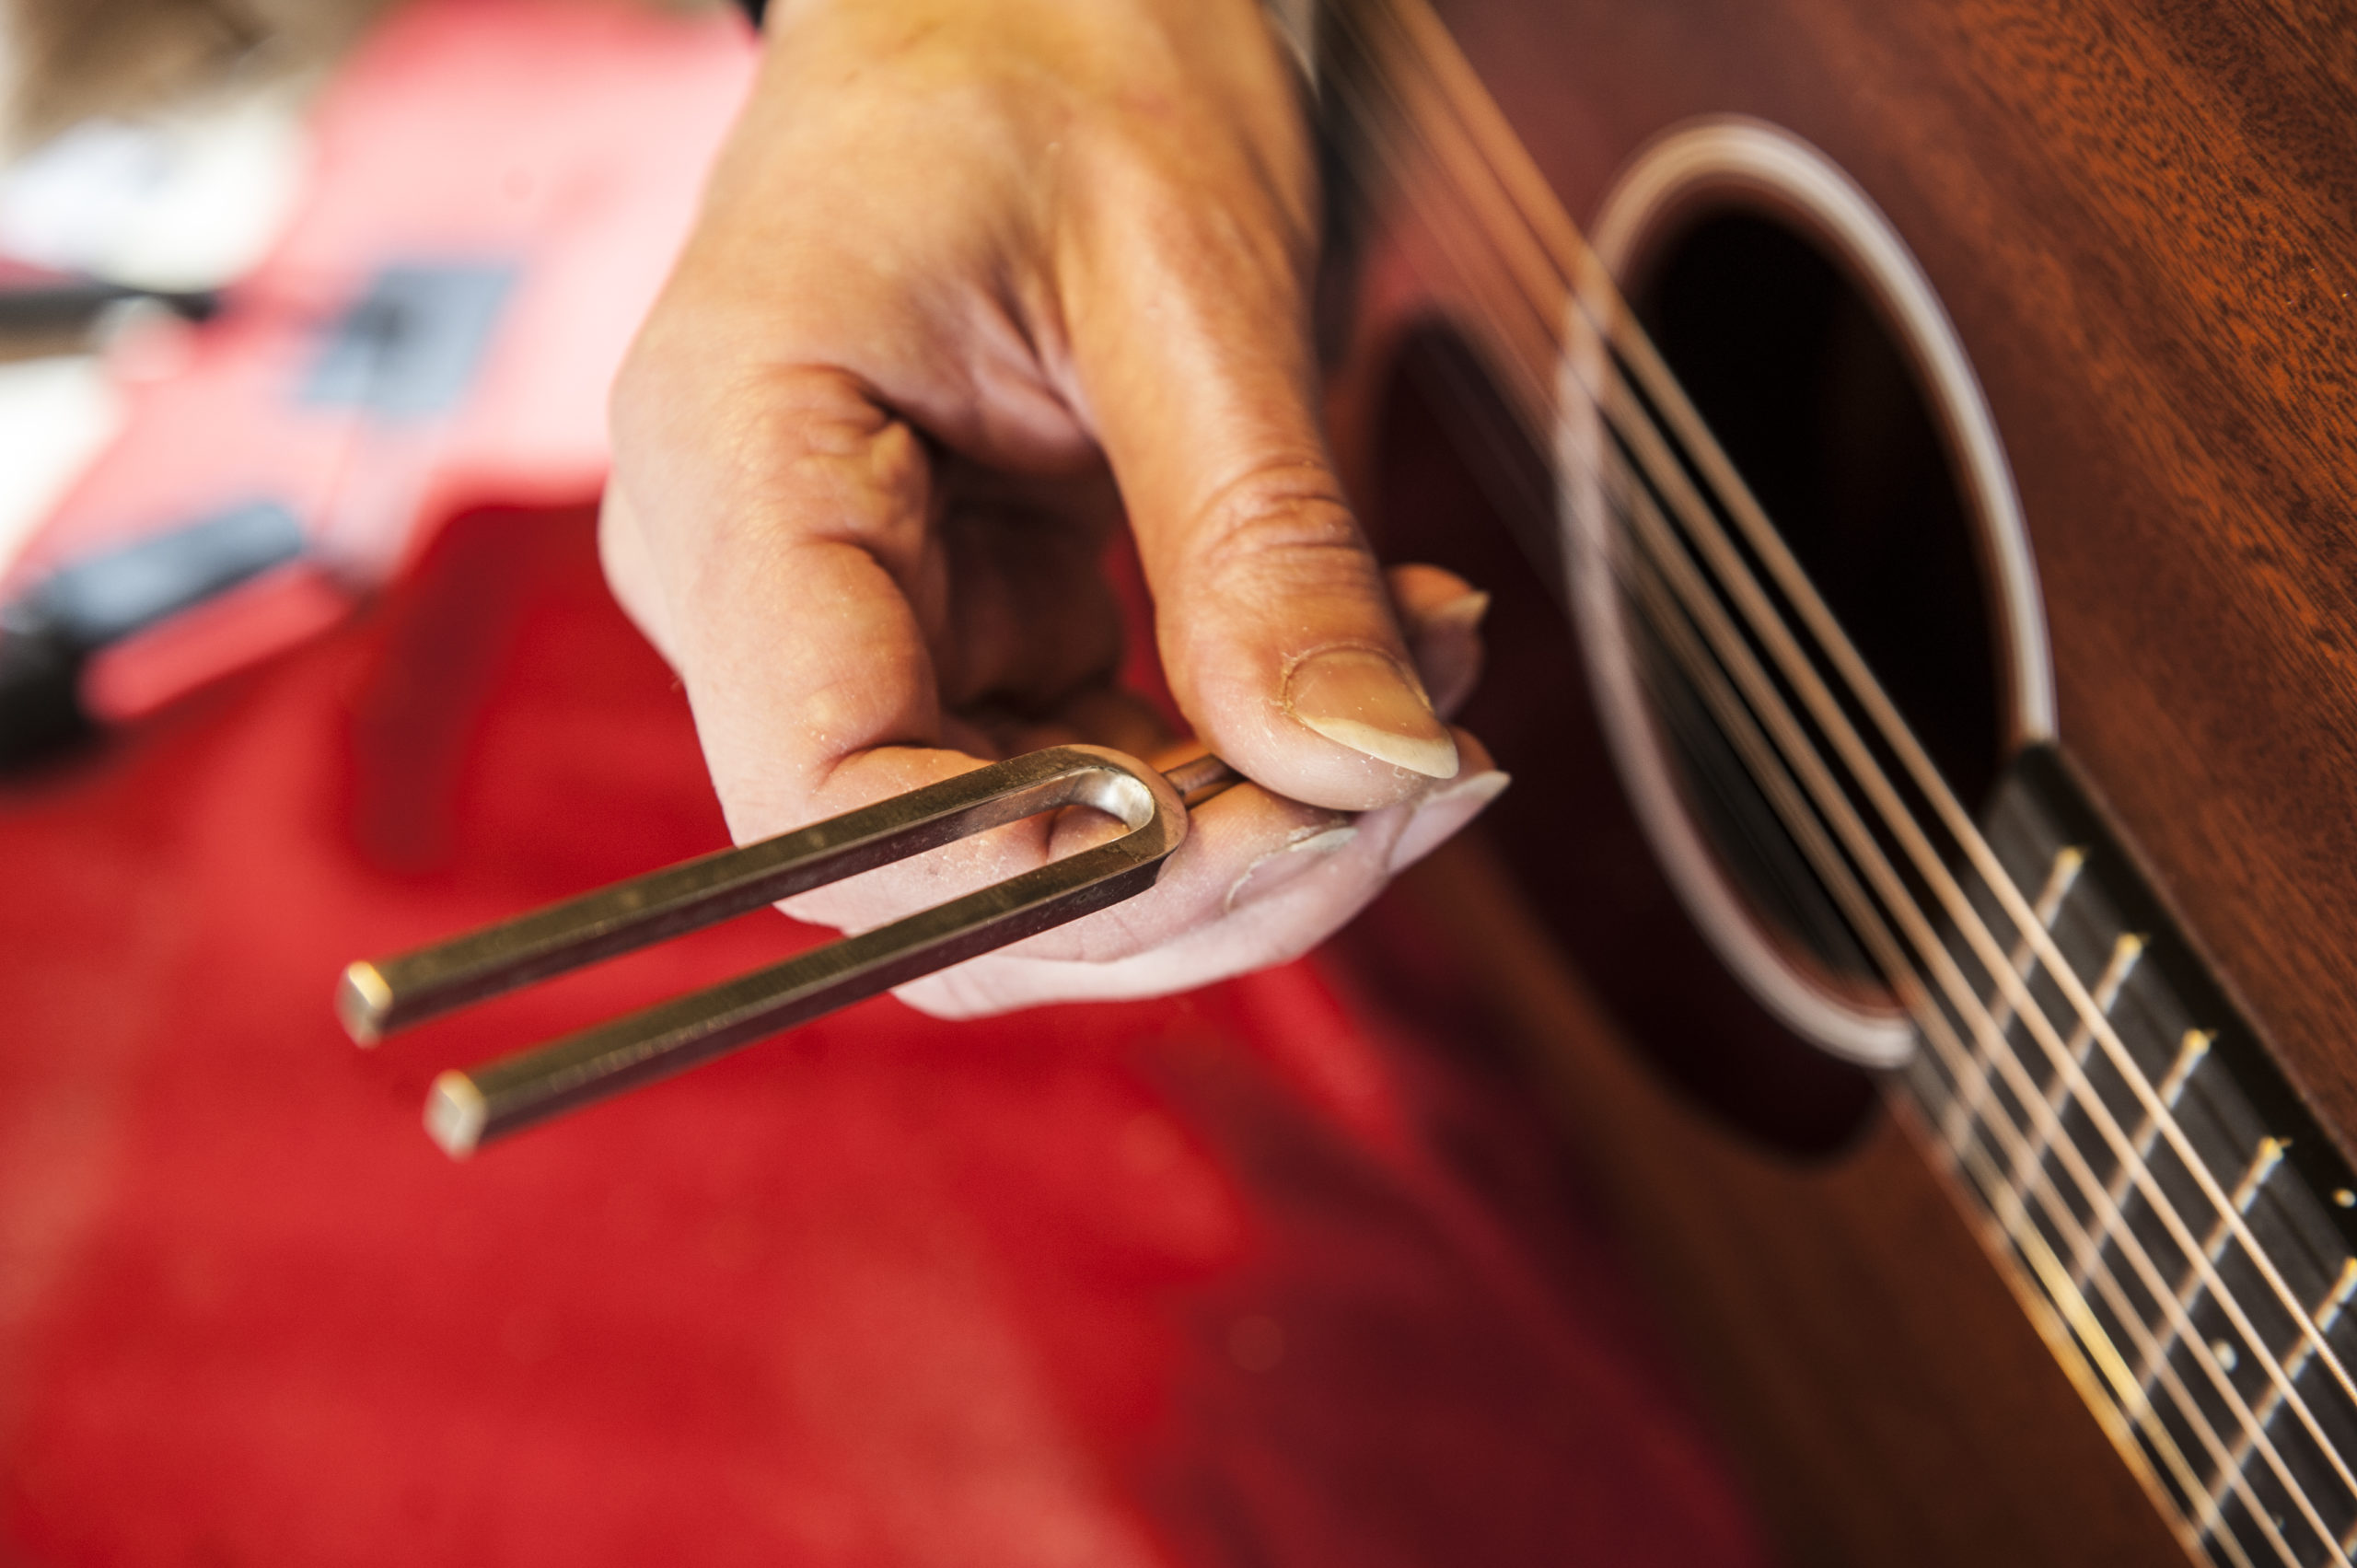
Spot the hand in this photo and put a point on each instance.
(971, 280)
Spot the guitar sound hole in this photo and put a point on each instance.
(1455, 479)
(1819, 408)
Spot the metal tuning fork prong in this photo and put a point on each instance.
(469, 1108)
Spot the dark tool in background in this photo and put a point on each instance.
(51, 308)
(49, 635)
(406, 350)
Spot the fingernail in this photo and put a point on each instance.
(1442, 814)
(1463, 612)
(1281, 867)
(1358, 698)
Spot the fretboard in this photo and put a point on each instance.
(2177, 1222)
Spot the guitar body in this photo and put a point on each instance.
(2140, 225)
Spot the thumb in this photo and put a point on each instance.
(1278, 629)
(1274, 622)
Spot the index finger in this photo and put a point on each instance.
(784, 522)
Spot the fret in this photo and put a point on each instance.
(2286, 1223)
(2319, 1324)
(2096, 1343)
(2213, 1246)
(2165, 1431)
(2159, 1425)
(1970, 1103)
(2029, 1160)
(2167, 1195)
(2139, 1410)
(2193, 1049)
(2198, 1216)
(2267, 1495)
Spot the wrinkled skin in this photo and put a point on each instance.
(976, 284)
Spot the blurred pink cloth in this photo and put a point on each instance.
(561, 144)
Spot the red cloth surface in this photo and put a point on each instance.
(1272, 1273)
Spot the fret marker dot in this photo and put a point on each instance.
(2225, 1354)
(2345, 1198)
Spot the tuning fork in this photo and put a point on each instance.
(466, 1109)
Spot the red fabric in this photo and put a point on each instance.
(1267, 1274)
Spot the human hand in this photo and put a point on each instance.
(972, 281)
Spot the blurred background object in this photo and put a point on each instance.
(178, 203)
(339, 268)
(73, 62)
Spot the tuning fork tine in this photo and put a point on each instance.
(472, 1107)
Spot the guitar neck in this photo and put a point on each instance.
(2175, 1222)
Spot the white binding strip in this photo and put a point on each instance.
(1739, 156)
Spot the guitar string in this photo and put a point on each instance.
(1624, 415)
(1526, 191)
(2202, 1257)
(1761, 762)
(2023, 1163)
(1664, 556)
(2065, 1297)
(2198, 1253)
(1759, 614)
(1669, 554)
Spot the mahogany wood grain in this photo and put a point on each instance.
(1873, 1376)
(2143, 220)
(1884, 1396)
(1875, 1379)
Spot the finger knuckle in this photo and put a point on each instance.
(1205, 206)
(1286, 520)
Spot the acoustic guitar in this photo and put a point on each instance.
(1913, 451)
